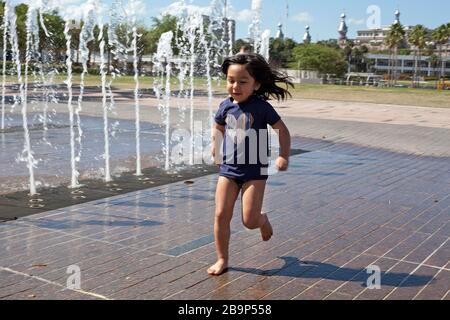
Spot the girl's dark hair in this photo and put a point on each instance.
(260, 70)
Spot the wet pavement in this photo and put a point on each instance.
(52, 150)
(341, 213)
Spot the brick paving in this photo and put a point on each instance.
(340, 209)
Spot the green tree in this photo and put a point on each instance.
(55, 44)
(240, 43)
(332, 43)
(433, 59)
(2, 16)
(151, 38)
(75, 42)
(320, 58)
(394, 38)
(141, 45)
(348, 49)
(356, 56)
(21, 13)
(417, 38)
(281, 51)
(440, 36)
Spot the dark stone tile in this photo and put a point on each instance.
(437, 288)
(413, 284)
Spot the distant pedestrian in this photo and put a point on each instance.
(245, 49)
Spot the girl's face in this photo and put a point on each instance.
(240, 84)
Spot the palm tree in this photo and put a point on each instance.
(447, 27)
(389, 41)
(394, 38)
(418, 38)
(441, 36)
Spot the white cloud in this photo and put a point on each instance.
(78, 9)
(46, 3)
(256, 5)
(245, 15)
(304, 17)
(180, 10)
(135, 8)
(356, 22)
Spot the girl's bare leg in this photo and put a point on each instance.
(252, 202)
(226, 194)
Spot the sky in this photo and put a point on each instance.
(322, 16)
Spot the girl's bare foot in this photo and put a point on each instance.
(220, 267)
(266, 229)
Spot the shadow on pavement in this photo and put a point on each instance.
(318, 270)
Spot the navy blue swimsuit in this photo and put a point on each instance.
(245, 147)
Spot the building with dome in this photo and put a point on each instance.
(307, 36)
(280, 34)
(374, 39)
(342, 30)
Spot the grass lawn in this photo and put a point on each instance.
(398, 96)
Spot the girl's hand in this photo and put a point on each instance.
(282, 164)
(213, 155)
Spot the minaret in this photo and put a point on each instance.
(343, 29)
(280, 34)
(397, 17)
(307, 36)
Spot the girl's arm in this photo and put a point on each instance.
(282, 162)
(217, 138)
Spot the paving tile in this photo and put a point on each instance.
(261, 289)
(22, 285)
(437, 288)
(407, 246)
(368, 293)
(390, 279)
(338, 296)
(441, 257)
(313, 293)
(411, 285)
(422, 252)
(341, 208)
(178, 285)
